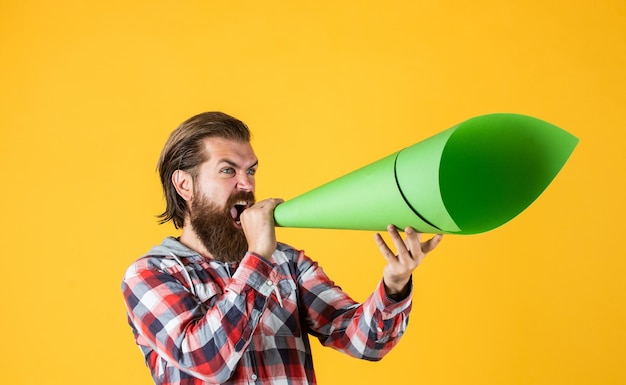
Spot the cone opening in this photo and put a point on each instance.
(494, 166)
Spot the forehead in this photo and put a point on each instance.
(225, 150)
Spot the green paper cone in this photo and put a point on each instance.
(468, 179)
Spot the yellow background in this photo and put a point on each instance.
(90, 91)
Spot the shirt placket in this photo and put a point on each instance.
(253, 373)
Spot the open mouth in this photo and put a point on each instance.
(236, 210)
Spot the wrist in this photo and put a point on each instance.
(397, 291)
(260, 254)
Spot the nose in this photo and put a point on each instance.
(245, 182)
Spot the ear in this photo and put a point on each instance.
(183, 183)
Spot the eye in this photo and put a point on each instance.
(251, 171)
(228, 170)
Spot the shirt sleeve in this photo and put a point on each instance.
(206, 343)
(367, 330)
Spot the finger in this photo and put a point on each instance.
(269, 203)
(384, 249)
(273, 202)
(403, 247)
(397, 239)
(430, 245)
(413, 241)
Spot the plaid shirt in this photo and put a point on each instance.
(215, 323)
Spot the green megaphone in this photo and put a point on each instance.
(468, 179)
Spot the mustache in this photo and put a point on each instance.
(247, 196)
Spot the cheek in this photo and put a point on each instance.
(220, 193)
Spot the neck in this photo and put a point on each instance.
(189, 238)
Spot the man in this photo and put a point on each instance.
(225, 303)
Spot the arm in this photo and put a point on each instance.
(371, 329)
(367, 331)
(206, 343)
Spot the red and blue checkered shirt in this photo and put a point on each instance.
(200, 321)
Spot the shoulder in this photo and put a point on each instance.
(168, 257)
(286, 253)
(149, 263)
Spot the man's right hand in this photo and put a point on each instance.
(257, 223)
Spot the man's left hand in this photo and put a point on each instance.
(410, 253)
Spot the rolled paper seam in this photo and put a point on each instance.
(365, 199)
(417, 176)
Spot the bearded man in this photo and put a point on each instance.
(225, 303)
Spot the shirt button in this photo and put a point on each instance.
(269, 283)
(253, 377)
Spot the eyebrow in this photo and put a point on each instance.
(233, 164)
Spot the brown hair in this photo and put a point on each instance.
(184, 150)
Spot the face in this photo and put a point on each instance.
(230, 169)
(223, 188)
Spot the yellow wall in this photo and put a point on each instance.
(90, 91)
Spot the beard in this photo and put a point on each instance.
(215, 228)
